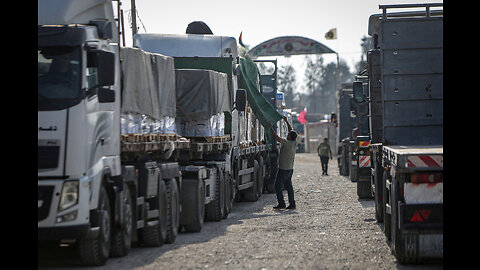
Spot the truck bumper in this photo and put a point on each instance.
(66, 232)
(422, 229)
(421, 218)
(423, 245)
(71, 223)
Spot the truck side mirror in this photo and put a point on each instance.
(333, 118)
(105, 63)
(106, 95)
(241, 100)
(358, 91)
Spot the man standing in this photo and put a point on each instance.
(324, 152)
(285, 166)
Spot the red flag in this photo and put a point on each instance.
(302, 117)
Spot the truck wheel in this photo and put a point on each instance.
(173, 210)
(260, 175)
(347, 165)
(354, 173)
(122, 237)
(398, 248)
(273, 175)
(228, 196)
(198, 209)
(251, 194)
(378, 193)
(386, 216)
(95, 252)
(232, 193)
(155, 236)
(363, 190)
(215, 209)
(235, 194)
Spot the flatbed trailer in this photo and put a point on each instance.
(405, 70)
(413, 201)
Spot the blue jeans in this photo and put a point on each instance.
(284, 177)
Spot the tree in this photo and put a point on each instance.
(366, 44)
(287, 84)
(322, 85)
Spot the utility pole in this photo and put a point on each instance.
(134, 18)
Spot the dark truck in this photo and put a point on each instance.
(360, 150)
(406, 124)
(344, 124)
(269, 87)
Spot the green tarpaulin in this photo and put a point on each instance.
(249, 80)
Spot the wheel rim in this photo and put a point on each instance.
(105, 227)
(128, 214)
(175, 215)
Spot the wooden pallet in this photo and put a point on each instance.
(150, 137)
(131, 138)
(166, 137)
(210, 139)
(152, 146)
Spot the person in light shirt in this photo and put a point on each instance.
(324, 153)
(285, 167)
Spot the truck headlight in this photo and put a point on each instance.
(69, 196)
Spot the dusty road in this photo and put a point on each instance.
(330, 229)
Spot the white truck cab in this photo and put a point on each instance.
(78, 119)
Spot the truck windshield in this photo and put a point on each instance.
(59, 77)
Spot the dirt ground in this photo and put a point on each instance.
(330, 229)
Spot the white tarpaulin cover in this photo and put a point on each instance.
(201, 93)
(148, 83)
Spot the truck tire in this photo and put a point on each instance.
(173, 210)
(233, 190)
(155, 236)
(270, 186)
(227, 206)
(260, 174)
(122, 237)
(364, 190)
(251, 194)
(198, 207)
(398, 248)
(235, 180)
(346, 162)
(354, 173)
(95, 252)
(378, 196)
(386, 216)
(215, 209)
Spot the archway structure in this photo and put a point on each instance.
(288, 45)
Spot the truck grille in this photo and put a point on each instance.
(45, 194)
(48, 157)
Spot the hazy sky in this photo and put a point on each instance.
(261, 20)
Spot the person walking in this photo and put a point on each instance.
(324, 153)
(285, 167)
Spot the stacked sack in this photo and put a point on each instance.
(140, 123)
(215, 126)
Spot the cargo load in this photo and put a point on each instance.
(153, 74)
(148, 93)
(202, 98)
